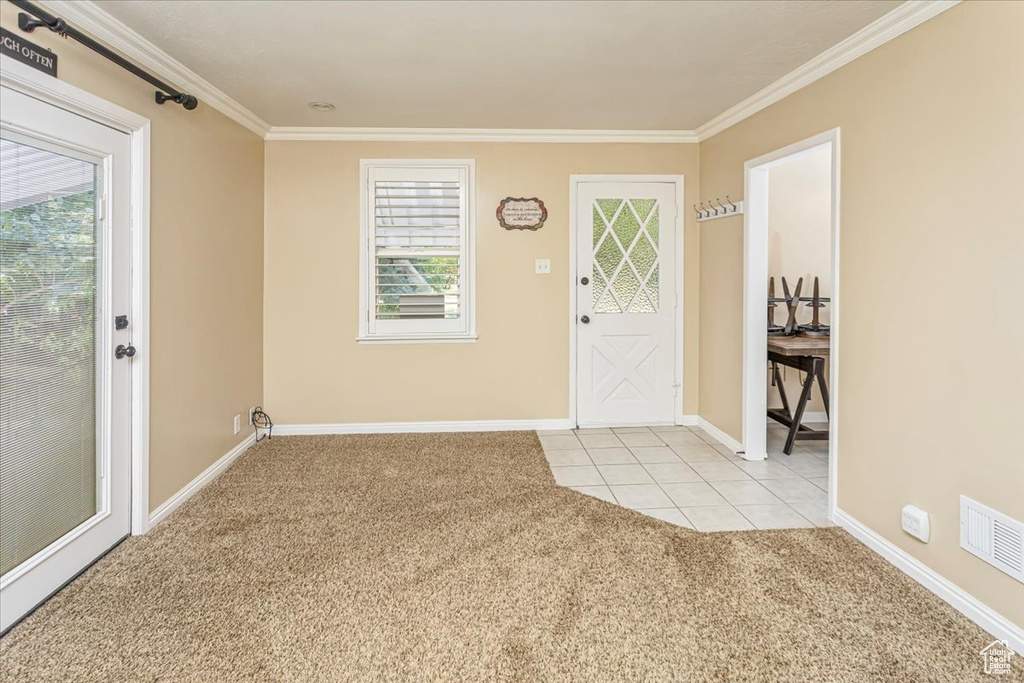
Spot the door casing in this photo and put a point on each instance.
(26, 80)
(574, 183)
(755, 293)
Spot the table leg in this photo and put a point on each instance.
(782, 389)
(798, 416)
(819, 371)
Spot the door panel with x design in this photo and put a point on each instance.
(626, 303)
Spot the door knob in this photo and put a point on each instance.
(584, 280)
(585, 319)
(121, 351)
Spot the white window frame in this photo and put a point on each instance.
(461, 330)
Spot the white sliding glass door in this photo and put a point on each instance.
(65, 385)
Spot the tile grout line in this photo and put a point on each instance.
(658, 483)
(600, 474)
(709, 441)
(633, 455)
(813, 525)
(594, 464)
(675, 505)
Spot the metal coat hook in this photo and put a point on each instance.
(709, 210)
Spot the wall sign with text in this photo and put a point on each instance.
(16, 47)
(520, 213)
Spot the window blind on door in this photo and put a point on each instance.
(418, 232)
(48, 390)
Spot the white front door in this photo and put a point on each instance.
(65, 398)
(626, 303)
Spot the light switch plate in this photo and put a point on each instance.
(543, 266)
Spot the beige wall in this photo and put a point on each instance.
(315, 372)
(206, 275)
(932, 166)
(932, 170)
(800, 246)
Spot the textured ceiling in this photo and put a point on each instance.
(578, 65)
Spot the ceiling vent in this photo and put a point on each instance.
(992, 536)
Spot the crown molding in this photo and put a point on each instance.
(879, 32)
(478, 135)
(91, 19)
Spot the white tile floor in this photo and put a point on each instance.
(684, 476)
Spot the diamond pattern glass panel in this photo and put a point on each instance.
(597, 286)
(625, 286)
(642, 305)
(608, 208)
(643, 256)
(625, 282)
(626, 226)
(652, 227)
(599, 227)
(652, 287)
(643, 207)
(608, 256)
(608, 304)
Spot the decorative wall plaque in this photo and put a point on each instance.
(27, 52)
(520, 213)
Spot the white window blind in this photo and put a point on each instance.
(417, 243)
(48, 391)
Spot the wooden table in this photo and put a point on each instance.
(806, 354)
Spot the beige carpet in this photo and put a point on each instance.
(455, 557)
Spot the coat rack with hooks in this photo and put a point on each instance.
(709, 211)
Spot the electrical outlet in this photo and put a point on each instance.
(238, 423)
(915, 522)
(251, 411)
(543, 266)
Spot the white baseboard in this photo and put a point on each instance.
(808, 418)
(723, 438)
(420, 427)
(962, 601)
(208, 475)
(689, 421)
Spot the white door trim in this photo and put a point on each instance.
(28, 81)
(574, 183)
(755, 293)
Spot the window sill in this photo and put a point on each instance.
(420, 339)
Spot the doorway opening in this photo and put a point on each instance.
(791, 312)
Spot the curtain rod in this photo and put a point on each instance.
(59, 26)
